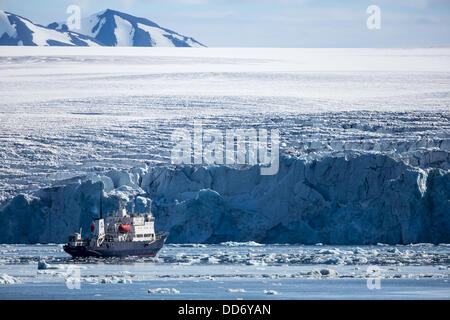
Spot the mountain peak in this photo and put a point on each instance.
(16, 31)
(105, 28)
(114, 28)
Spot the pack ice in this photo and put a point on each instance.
(361, 199)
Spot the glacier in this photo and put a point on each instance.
(365, 142)
(365, 199)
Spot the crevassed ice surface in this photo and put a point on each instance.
(67, 112)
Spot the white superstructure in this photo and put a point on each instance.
(123, 226)
(118, 235)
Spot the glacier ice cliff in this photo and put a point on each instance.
(357, 199)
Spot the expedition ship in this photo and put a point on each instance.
(122, 234)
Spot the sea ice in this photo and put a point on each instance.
(6, 279)
(163, 291)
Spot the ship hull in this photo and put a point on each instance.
(119, 249)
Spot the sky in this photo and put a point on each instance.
(271, 23)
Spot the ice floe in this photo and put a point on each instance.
(6, 279)
(163, 291)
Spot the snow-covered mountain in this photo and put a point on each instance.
(16, 30)
(106, 28)
(114, 28)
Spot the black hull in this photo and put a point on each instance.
(119, 249)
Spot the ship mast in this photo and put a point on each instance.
(101, 209)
